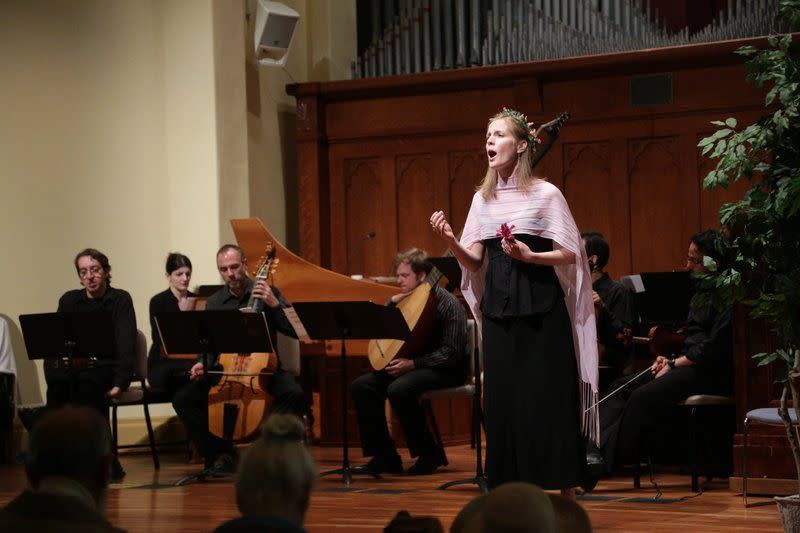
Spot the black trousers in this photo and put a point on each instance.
(628, 418)
(191, 404)
(169, 374)
(369, 392)
(86, 386)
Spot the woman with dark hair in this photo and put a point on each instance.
(170, 374)
(526, 279)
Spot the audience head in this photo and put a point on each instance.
(277, 472)
(702, 244)
(570, 516)
(94, 271)
(411, 268)
(510, 508)
(597, 250)
(71, 442)
(232, 266)
(403, 522)
(178, 271)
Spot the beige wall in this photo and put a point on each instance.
(138, 127)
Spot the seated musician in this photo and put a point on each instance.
(442, 364)
(614, 310)
(106, 378)
(704, 367)
(164, 373)
(191, 401)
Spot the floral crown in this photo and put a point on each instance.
(522, 121)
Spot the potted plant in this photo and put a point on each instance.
(762, 231)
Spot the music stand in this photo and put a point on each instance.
(350, 320)
(68, 336)
(207, 333)
(448, 266)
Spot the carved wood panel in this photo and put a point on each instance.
(364, 195)
(416, 200)
(595, 197)
(466, 171)
(657, 205)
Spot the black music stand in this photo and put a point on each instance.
(68, 336)
(207, 333)
(448, 266)
(350, 320)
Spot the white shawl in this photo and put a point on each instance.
(542, 211)
(7, 364)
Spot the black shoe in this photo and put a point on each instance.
(117, 472)
(225, 464)
(425, 465)
(380, 464)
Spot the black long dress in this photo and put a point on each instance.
(532, 403)
(163, 373)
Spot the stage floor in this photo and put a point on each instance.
(146, 500)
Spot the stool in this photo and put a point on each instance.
(693, 402)
(766, 415)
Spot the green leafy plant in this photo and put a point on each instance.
(761, 234)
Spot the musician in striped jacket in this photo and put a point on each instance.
(441, 363)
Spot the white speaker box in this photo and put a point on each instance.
(274, 30)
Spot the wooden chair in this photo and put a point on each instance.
(472, 388)
(138, 393)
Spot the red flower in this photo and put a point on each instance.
(506, 231)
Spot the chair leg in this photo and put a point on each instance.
(637, 475)
(114, 429)
(693, 448)
(744, 463)
(437, 438)
(151, 436)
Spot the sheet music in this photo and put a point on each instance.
(298, 326)
(638, 286)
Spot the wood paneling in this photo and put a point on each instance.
(466, 171)
(391, 150)
(658, 205)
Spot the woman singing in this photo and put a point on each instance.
(170, 374)
(526, 280)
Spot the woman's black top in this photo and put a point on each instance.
(515, 288)
(164, 301)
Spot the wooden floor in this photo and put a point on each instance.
(146, 501)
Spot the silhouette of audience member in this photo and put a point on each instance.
(274, 479)
(521, 507)
(403, 522)
(570, 516)
(68, 467)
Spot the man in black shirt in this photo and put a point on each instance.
(191, 401)
(108, 377)
(703, 368)
(443, 363)
(614, 310)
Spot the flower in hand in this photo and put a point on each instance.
(506, 231)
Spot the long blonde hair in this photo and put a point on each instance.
(524, 170)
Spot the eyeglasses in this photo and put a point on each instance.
(694, 260)
(93, 271)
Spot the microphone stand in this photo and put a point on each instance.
(357, 247)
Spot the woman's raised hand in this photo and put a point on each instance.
(441, 226)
